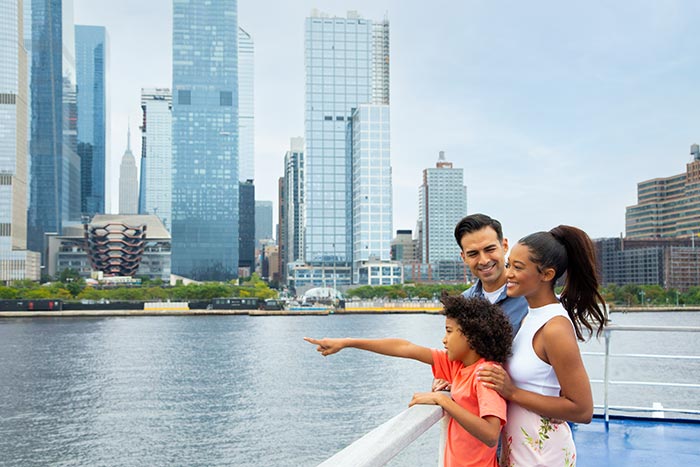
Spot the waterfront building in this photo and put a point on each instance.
(246, 106)
(16, 262)
(205, 140)
(347, 64)
(667, 207)
(281, 230)
(246, 228)
(302, 277)
(112, 244)
(128, 181)
(155, 196)
(403, 247)
(442, 202)
(373, 272)
(263, 221)
(371, 187)
(672, 263)
(291, 236)
(55, 166)
(91, 63)
(437, 272)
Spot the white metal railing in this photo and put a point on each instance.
(607, 382)
(380, 445)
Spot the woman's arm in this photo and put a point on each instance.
(391, 347)
(485, 429)
(575, 402)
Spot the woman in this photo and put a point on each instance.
(546, 382)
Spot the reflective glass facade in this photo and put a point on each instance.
(371, 185)
(91, 73)
(15, 261)
(205, 139)
(246, 120)
(339, 60)
(156, 154)
(55, 166)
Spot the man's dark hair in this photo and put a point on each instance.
(475, 222)
(484, 325)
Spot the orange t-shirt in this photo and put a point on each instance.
(462, 449)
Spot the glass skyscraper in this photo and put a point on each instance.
(205, 139)
(371, 185)
(347, 64)
(15, 261)
(55, 166)
(91, 59)
(156, 154)
(246, 107)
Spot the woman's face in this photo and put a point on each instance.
(523, 277)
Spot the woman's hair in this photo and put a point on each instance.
(569, 250)
(484, 325)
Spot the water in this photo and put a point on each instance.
(233, 390)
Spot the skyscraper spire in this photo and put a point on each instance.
(128, 134)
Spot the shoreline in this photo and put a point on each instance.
(204, 312)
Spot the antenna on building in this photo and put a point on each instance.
(441, 156)
(695, 152)
(128, 134)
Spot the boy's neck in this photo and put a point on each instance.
(471, 358)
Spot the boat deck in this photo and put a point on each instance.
(627, 442)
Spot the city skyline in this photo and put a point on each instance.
(555, 112)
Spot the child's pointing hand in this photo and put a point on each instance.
(326, 346)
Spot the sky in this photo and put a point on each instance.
(555, 110)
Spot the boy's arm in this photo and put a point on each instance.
(486, 429)
(391, 347)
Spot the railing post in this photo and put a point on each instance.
(443, 439)
(606, 375)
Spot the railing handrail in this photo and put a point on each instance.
(380, 445)
(606, 372)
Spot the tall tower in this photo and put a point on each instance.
(292, 232)
(91, 60)
(55, 166)
(15, 261)
(442, 203)
(128, 181)
(347, 64)
(205, 139)
(246, 107)
(155, 196)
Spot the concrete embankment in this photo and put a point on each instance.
(152, 312)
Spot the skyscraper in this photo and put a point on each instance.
(246, 226)
(667, 207)
(155, 196)
(292, 232)
(55, 166)
(128, 182)
(263, 221)
(442, 202)
(246, 107)
(91, 60)
(371, 185)
(205, 139)
(346, 66)
(15, 261)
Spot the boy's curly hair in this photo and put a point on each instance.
(484, 324)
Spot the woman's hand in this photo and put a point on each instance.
(495, 377)
(326, 346)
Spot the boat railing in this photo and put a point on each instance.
(655, 409)
(380, 445)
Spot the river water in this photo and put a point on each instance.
(245, 391)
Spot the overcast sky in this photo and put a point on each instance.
(555, 111)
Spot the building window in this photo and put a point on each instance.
(184, 97)
(226, 98)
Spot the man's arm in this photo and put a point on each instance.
(392, 347)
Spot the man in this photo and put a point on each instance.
(484, 250)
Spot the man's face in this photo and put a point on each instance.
(485, 256)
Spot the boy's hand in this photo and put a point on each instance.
(440, 385)
(326, 346)
(428, 398)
